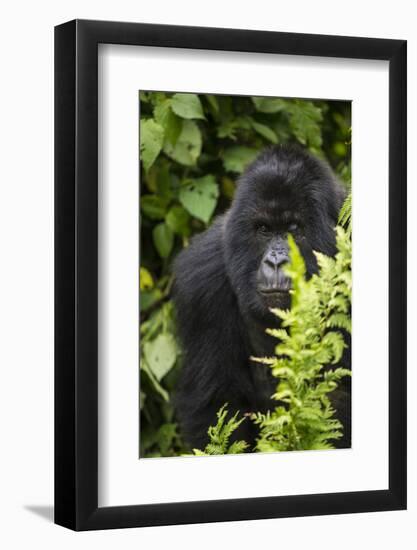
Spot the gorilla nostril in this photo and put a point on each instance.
(275, 261)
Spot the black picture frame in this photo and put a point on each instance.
(76, 271)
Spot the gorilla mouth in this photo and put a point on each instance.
(270, 292)
(280, 288)
(275, 296)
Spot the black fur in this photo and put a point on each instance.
(222, 317)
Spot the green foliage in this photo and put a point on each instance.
(187, 147)
(152, 137)
(160, 354)
(235, 159)
(303, 118)
(192, 149)
(178, 220)
(187, 106)
(310, 339)
(219, 436)
(199, 197)
(345, 215)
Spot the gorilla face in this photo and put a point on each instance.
(271, 281)
(285, 191)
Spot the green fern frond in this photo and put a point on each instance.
(345, 215)
(220, 433)
(308, 342)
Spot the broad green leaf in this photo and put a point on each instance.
(160, 355)
(188, 146)
(178, 220)
(151, 140)
(269, 104)
(157, 386)
(305, 122)
(187, 106)
(163, 239)
(265, 131)
(146, 281)
(148, 297)
(237, 158)
(153, 207)
(199, 197)
(168, 120)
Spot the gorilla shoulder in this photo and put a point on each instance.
(200, 281)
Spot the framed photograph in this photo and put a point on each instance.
(230, 253)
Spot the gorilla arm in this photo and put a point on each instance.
(215, 366)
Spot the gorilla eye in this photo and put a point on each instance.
(263, 229)
(292, 227)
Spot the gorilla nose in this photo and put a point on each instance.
(275, 259)
(271, 277)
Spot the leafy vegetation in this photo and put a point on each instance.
(345, 215)
(192, 150)
(219, 436)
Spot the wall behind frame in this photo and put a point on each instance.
(26, 276)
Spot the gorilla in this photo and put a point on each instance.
(230, 276)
